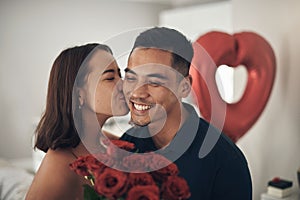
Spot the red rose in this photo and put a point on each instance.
(161, 174)
(86, 165)
(135, 163)
(105, 159)
(79, 166)
(111, 183)
(140, 179)
(148, 192)
(116, 148)
(93, 164)
(162, 167)
(158, 161)
(123, 144)
(175, 188)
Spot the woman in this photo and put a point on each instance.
(84, 84)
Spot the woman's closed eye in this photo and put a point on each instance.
(110, 78)
(111, 74)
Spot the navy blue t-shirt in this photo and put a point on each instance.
(213, 166)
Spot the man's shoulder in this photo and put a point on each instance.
(223, 145)
(126, 137)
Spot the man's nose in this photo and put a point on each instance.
(140, 91)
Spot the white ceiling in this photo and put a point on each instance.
(175, 3)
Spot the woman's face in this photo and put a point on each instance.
(103, 88)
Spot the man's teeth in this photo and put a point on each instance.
(141, 107)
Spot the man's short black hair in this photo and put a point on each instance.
(169, 40)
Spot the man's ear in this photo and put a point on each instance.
(185, 86)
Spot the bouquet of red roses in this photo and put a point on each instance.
(110, 183)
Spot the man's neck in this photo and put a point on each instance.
(163, 137)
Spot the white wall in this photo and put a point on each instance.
(32, 34)
(272, 145)
(196, 20)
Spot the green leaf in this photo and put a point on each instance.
(89, 193)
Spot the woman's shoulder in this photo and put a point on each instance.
(56, 164)
(54, 178)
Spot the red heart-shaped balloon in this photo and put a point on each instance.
(246, 48)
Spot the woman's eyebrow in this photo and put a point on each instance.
(109, 71)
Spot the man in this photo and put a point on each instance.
(156, 80)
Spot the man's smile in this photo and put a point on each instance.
(141, 107)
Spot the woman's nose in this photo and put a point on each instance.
(119, 85)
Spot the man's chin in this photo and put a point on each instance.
(139, 123)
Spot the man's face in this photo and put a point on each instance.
(151, 87)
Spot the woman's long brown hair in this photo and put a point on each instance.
(56, 128)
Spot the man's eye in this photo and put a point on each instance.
(129, 78)
(155, 83)
(110, 78)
